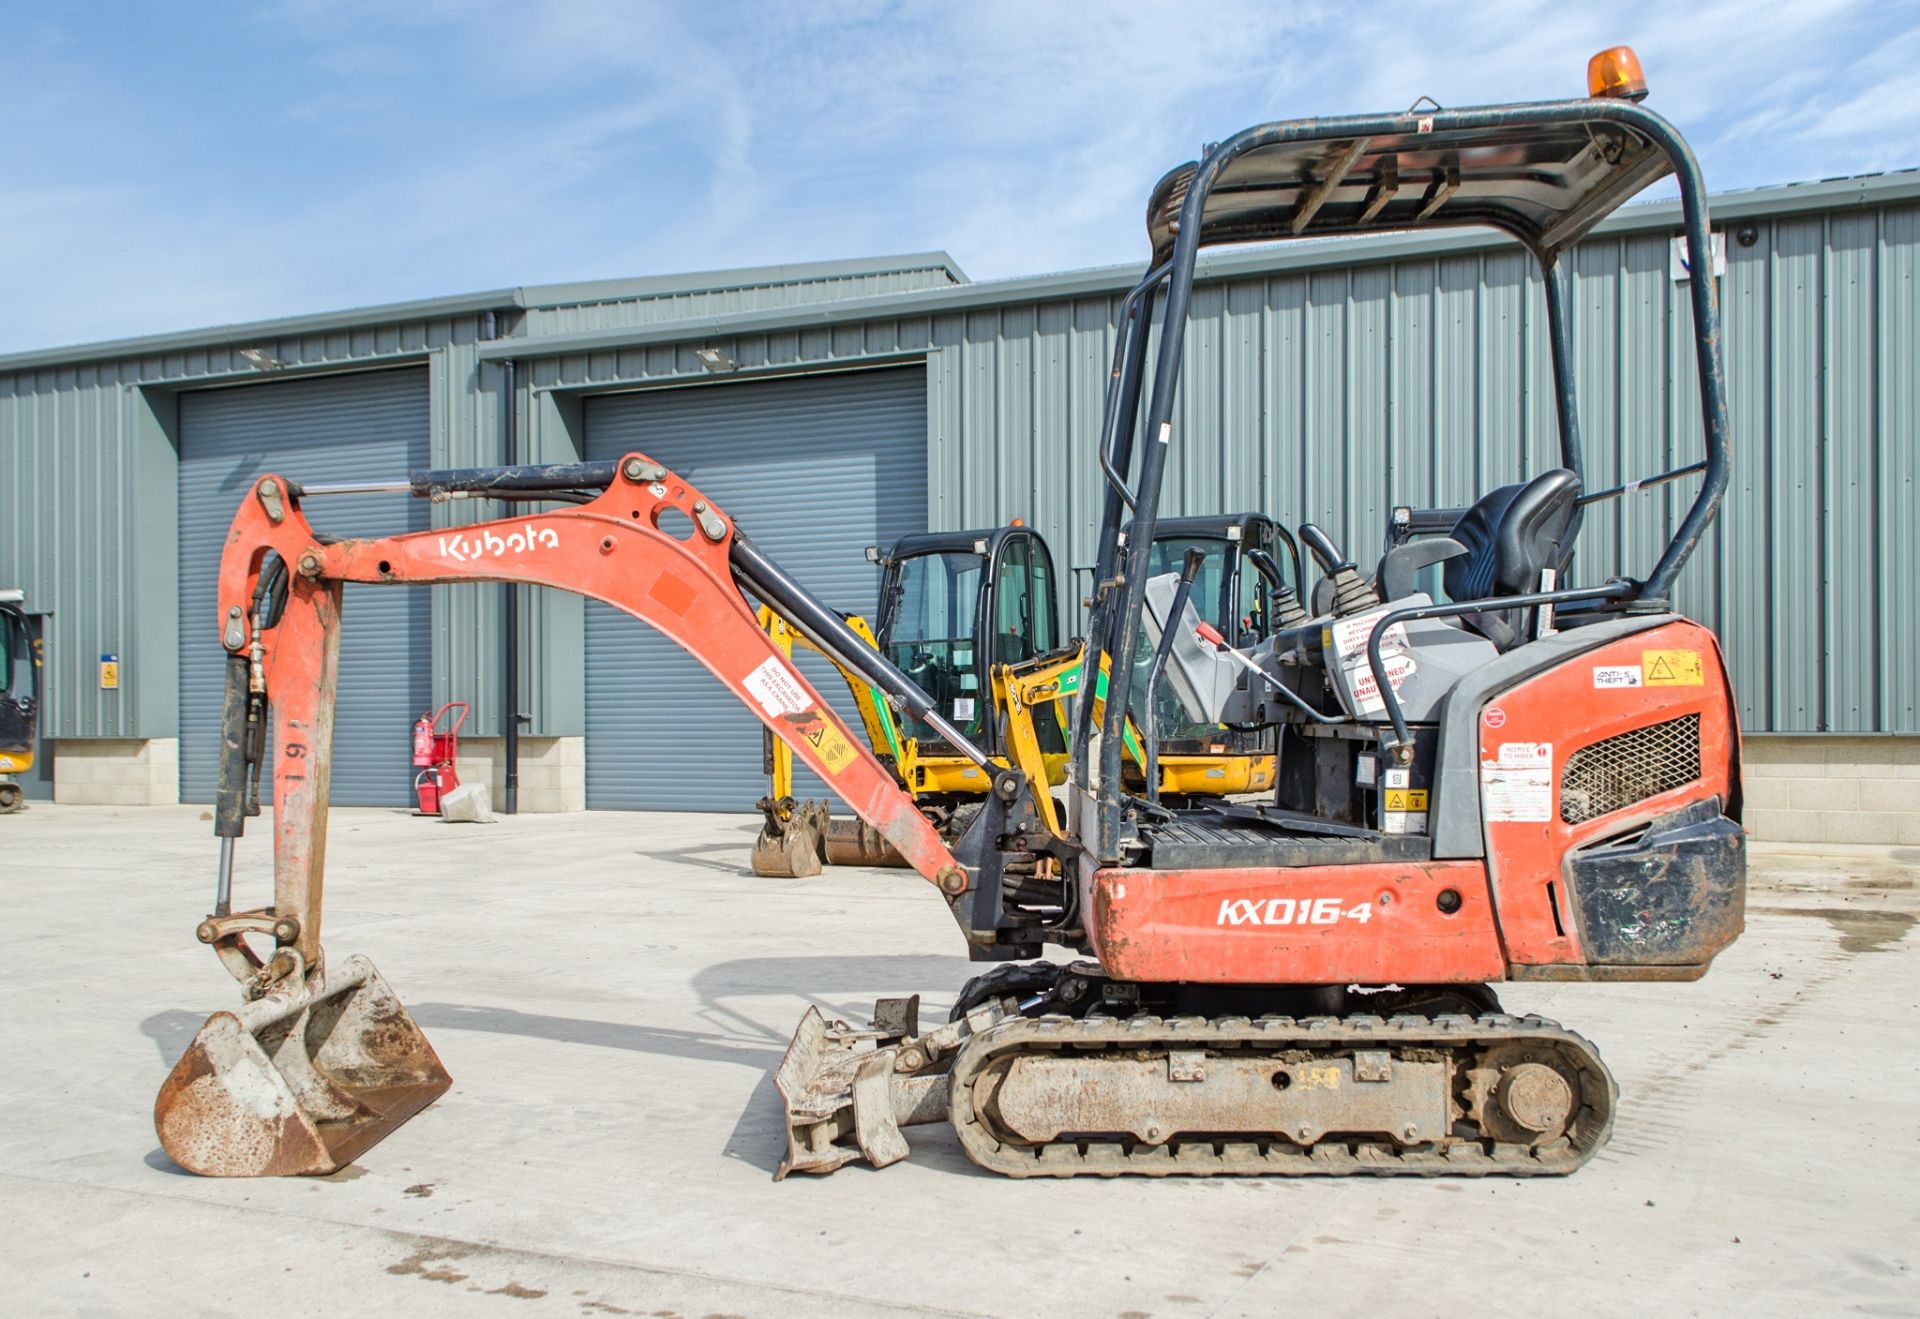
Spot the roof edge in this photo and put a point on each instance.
(1218, 264)
(280, 327)
(468, 304)
(720, 281)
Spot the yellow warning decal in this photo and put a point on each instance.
(835, 751)
(1322, 1078)
(1673, 668)
(1400, 800)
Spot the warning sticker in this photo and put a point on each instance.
(1673, 668)
(777, 689)
(963, 708)
(1366, 692)
(1518, 786)
(1404, 822)
(1350, 635)
(1616, 675)
(1495, 717)
(835, 751)
(1404, 809)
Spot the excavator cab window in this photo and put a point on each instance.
(1013, 638)
(1046, 604)
(18, 685)
(1213, 599)
(930, 635)
(1025, 618)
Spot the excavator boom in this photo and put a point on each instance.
(324, 1062)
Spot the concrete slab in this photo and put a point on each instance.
(611, 992)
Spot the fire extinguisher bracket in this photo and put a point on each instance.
(434, 753)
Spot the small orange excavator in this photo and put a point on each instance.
(1493, 765)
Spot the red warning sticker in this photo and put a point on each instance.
(1495, 717)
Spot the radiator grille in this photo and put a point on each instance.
(1630, 767)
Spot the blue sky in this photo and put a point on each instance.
(177, 165)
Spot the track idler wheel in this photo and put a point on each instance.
(790, 844)
(857, 843)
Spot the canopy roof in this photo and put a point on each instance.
(1546, 175)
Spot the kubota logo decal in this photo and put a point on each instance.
(464, 548)
(1290, 911)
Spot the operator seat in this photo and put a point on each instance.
(1513, 534)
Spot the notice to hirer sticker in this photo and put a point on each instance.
(777, 689)
(1518, 786)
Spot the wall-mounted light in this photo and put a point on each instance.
(715, 360)
(260, 359)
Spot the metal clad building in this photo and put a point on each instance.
(1325, 381)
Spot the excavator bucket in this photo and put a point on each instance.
(848, 1092)
(856, 843)
(790, 843)
(302, 1081)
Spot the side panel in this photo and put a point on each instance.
(1529, 733)
(1324, 925)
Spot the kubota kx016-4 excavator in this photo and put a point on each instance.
(1531, 779)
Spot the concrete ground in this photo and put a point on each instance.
(611, 993)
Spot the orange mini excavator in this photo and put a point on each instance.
(1494, 763)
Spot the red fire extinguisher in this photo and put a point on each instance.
(433, 755)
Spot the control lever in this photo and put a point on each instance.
(1325, 552)
(1287, 609)
(1351, 595)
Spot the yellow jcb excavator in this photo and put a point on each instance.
(955, 608)
(967, 611)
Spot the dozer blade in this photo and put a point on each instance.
(845, 1102)
(857, 843)
(789, 845)
(302, 1081)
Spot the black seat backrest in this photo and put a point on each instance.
(1513, 535)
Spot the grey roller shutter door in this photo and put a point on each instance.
(334, 428)
(813, 470)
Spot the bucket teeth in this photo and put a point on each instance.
(848, 1092)
(302, 1081)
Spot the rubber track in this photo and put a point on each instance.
(1465, 1038)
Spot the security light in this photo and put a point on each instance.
(715, 360)
(260, 359)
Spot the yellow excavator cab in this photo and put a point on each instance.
(20, 670)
